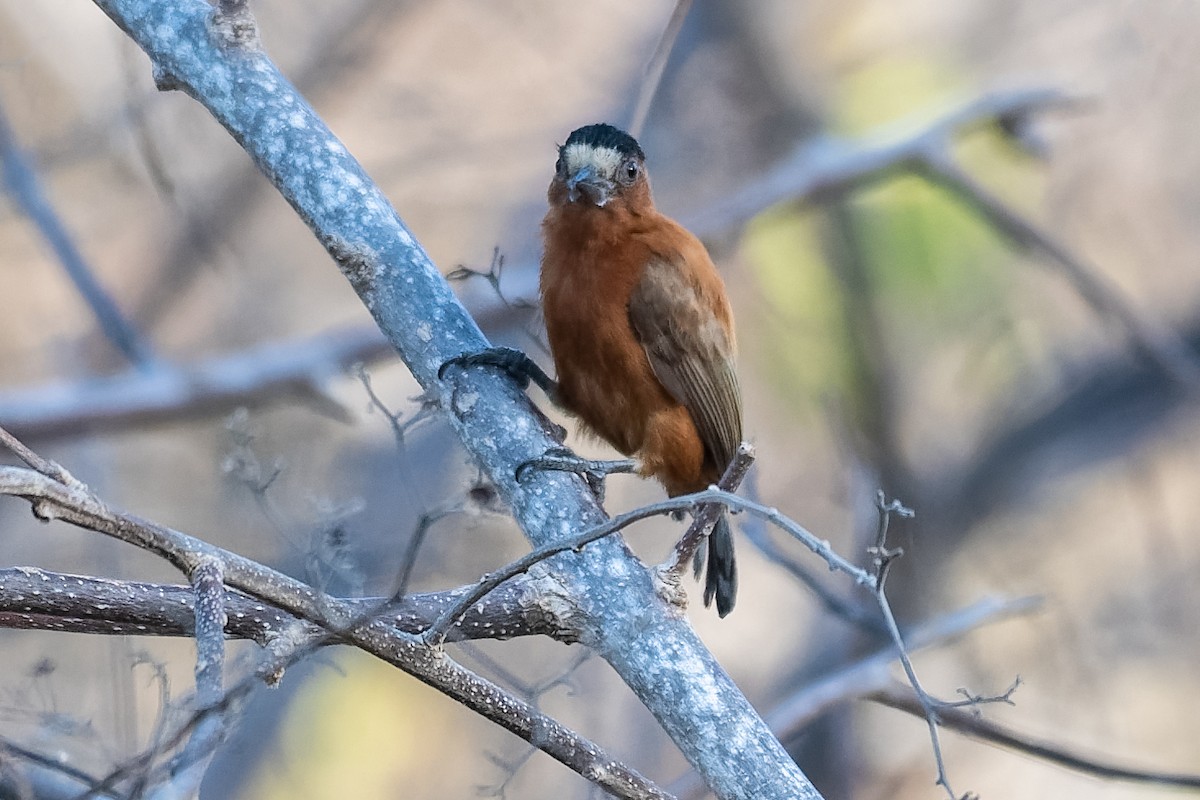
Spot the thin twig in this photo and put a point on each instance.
(656, 67)
(711, 496)
(407, 479)
(872, 671)
(492, 275)
(883, 557)
(702, 524)
(210, 615)
(22, 183)
(408, 561)
(398, 427)
(157, 747)
(158, 681)
(859, 614)
(44, 466)
(901, 697)
(341, 620)
(436, 632)
(53, 764)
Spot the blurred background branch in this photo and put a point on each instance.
(894, 332)
(21, 183)
(295, 371)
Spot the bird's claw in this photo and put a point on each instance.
(520, 367)
(556, 431)
(592, 471)
(508, 359)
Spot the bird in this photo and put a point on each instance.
(640, 330)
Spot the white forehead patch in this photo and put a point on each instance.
(603, 160)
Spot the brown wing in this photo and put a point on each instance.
(681, 322)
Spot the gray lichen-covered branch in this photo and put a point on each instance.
(216, 60)
(287, 370)
(36, 599)
(55, 494)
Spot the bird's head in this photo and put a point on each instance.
(599, 165)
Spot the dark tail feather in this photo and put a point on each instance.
(721, 580)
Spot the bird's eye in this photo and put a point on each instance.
(631, 171)
(558, 166)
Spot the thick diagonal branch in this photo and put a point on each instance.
(650, 646)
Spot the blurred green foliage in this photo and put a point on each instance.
(929, 267)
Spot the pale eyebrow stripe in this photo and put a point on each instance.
(605, 159)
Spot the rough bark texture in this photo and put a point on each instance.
(652, 648)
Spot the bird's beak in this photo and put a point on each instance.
(587, 183)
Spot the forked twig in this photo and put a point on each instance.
(339, 620)
(706, 517)
(903, 698)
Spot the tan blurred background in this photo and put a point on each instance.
(888, 338)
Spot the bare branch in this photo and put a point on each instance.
(1162, 345)
(901, 697)
(51, 500)
(42, 465)
(827, 164)
(209, 589)
(711, 721)
(883, 558)
(296, 369)
(706, 517)
(872, 672)
(22, 183)
(35, 599)
(53, 779)
(656, 67)
(491, 581)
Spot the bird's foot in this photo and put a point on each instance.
(592, 471)
(519, 366)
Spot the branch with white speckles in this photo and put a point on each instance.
(56, 495)
(216, 59)
(36, 599)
